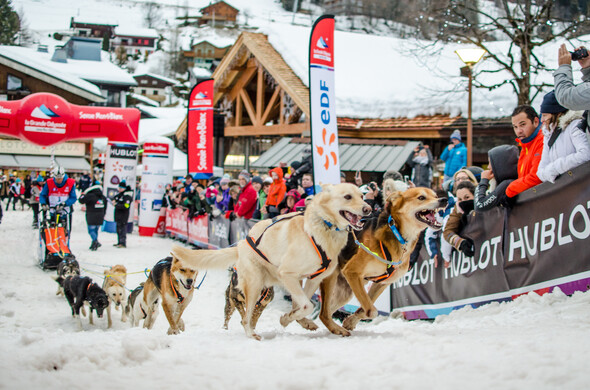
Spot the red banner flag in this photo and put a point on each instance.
(200, 129)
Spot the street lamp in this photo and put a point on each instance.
(470, 57)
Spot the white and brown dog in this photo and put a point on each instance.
(114, 285)
(288, 249)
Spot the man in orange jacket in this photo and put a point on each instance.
(526, 125)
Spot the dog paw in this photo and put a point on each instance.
(339, 331)
(308, 324)
(372, 312)
(285, 320)
(173, 331)
(181, 325)
(350, 322)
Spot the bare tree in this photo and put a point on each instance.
(152, 15)
(526, 24)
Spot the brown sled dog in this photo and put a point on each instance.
(172, 279)
(114, 285)
(411, 212)
(289, 249)
(234, 299)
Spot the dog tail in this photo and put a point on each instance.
(206, 258)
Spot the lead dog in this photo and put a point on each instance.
(391, 238)
(289, 249)
(78, 290)
(172, 279)
(114, 285)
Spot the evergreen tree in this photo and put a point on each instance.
(10, 23)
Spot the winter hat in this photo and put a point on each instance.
(550, 104)
(456, 134)
(40, 179)
(224, 180)
(122, 184)
(18, 179)
(294, 194)
(268, 180)
(257, 179)
(245, 175)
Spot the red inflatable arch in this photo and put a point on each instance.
(46, 119)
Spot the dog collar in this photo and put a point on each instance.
(394, 230)
(330, 224)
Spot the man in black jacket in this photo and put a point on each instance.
(122, 202)
(96, 203)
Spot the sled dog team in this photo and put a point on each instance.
(333, 246)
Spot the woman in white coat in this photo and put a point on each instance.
(565, 145)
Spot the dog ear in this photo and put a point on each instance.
(327, 187)
(394, 200)
(106, 271)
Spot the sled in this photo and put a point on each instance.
(53, 241)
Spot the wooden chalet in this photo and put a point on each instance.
(218, 13)
(263, 100)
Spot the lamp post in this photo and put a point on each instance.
(469, 57)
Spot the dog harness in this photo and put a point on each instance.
(322, 255)
(390, 269)
(263, 294)
(156, 276)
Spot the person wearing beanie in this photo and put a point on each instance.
(247, 198)
(288, 204)
(565, 145)
(122, 202)
(96, 203)
(527, 128)
(502, 168)
(454, 155)
(222, 198)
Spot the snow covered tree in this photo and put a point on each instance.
(152, 15)
(527, 24)
(10, 25)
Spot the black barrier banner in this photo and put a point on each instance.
(219, 230)
(540, 244)
(240, 228)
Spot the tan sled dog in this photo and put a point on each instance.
(173, 280)
(114, 285)
(289, 249)
(391, 240)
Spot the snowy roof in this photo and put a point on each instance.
(382, 77)
(144, 99)
(96, 20)
(157, 76)
(31, 61)
(165, 122)
(127, 31)
(201, 72)
(215, 36)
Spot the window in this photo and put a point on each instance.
(154, 82)
(155, 92)
(144, 81)
(143, 91)
(13, 83)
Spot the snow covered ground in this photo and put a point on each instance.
(532, 343)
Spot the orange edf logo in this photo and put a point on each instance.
(327, 155)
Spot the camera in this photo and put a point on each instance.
(579, 54)
(372, 186)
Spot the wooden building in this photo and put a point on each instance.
(204, 54)
(219, 13)
(153, 86)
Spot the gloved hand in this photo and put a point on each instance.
(59, 207)
(467, 247)
(232, 216)
(44, 207)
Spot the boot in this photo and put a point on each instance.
(93, 246)
(98, 245)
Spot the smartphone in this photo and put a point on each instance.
(406, 178)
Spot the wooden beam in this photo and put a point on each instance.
(271, 103)
(259, 95)
(249, 106)
(244, 79)
(293, 129)
(405, 134)
(281, 111)
(238, 111)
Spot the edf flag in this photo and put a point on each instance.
(324, 130)
(200, 129)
